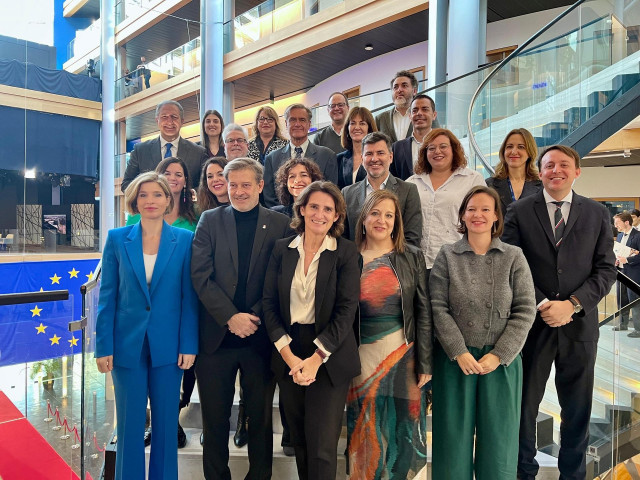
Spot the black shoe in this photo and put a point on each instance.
(634, 334)
(182, 437)
(620, 328)
(289, 451)
(241, 437)
(147, 436)
(201, 438)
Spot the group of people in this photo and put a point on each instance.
(352, 278)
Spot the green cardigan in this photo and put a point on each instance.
(180, 222)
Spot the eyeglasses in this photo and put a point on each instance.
(239, 141)
(337, 105)
(443, 148)
(265, 120)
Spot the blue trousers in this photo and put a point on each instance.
(132, 387)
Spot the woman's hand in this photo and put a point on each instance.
(489, 363)
(304, 373)
(468, 364)
(423, 379)
(105, 364)
(186, 361)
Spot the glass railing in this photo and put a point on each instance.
(132, 8)
(571, 70)
(268, 17)
(85, 40)
(615, 425)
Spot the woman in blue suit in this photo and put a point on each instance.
(147, 327)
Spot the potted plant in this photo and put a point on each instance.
(49, 368)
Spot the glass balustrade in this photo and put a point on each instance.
(569, 73)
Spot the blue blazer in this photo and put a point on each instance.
(166, 311)
(632, 268)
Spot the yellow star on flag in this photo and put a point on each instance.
(55, 339)
(40, 328)
(74, 273)
(41, 289)
(90, 275)
(55, 279)
(35, 311)
(73, 342)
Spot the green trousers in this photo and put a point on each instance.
(485, 405)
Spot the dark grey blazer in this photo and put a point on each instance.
(323, 156)
(582, 266)
(355, 195)
(501, 185)
(146, 156)
(402, 165)
(214, 269)
(384, 122)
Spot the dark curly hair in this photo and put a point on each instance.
(185, 204)
(282, 189)
(297, 224)
(206, 199)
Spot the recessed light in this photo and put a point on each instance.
(368, 47)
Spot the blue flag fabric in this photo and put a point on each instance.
(30, 332)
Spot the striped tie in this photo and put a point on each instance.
(558, 223)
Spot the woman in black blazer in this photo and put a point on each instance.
(311, 293)
(359, 123)
(516, 175)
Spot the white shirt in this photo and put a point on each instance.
(401, 123)
(303, 146)
(551, 207)
(440, 209)
(149, 263)
(163, 147)
(625, 237)
(415, 149)
(369, 188)
(302, 305)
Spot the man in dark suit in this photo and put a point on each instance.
(376, 159)
(331, 135)
(630, 266)
(405, 152)
(147, 155)
(567, 241)
(395, 123)
(298, 121)
(231, 251)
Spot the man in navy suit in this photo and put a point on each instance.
(405, 151)
(147, 155)
(567, 241)
(231, 251)
(630, 266)
(298, 121)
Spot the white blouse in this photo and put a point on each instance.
(149, 263)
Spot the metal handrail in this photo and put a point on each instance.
(33, 297)
(89, 285)
(627, 282)
(515, 53)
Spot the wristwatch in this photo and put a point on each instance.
(577, 306)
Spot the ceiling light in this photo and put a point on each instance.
(368, 47)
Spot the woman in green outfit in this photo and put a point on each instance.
(183, 214)
(483, 304)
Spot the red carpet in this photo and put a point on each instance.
(24, 453)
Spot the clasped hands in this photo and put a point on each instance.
(470, 366)
(556, 313)
(243, 324)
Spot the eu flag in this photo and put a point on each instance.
(31, 332)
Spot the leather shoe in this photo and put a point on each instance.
(241, 437)
(147, 436)
(182, 437)
(634, 334)
(289, 451)
(620, 328)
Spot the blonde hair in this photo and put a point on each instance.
(132, 191)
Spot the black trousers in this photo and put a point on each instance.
(216, 374)
(574, 362)
(314, 413)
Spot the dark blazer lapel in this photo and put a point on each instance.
(312, 151)
(168, 244)
(574, 213)
(326, 264)
(232, 236)
(289, 264)
(392, 184)
(408, 156)
(540, 207)
(262, 227)
(156, 153)
(133, 247)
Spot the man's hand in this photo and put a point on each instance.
(243, 324)
(105, 364)
(556, 313)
